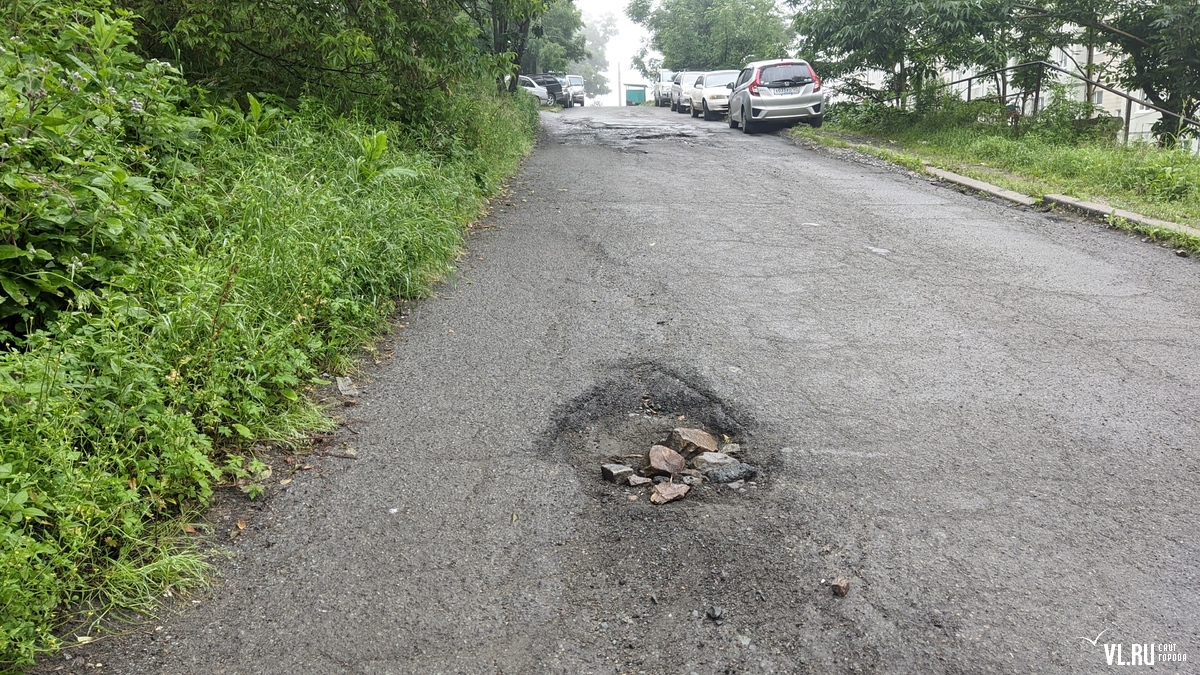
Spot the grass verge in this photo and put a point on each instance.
(1052, 155)
(282, 245)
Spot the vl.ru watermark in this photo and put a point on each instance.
(1143, 654)
(1138, 653)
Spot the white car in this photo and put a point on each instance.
(681, 89)
(578, 97)
(710, 94)
(780, 90)
(662, 88)
(536, 89)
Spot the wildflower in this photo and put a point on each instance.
(135, 106)
(112, 92)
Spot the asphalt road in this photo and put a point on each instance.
(986, 418)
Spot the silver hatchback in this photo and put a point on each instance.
(784, 90)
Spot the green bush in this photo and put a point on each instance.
(85, 128)
(868, 116)
(232, 257)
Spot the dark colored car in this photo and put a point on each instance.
(554, 87)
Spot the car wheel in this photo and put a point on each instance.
(695, 113)
(748, 124)
(816, 122)
(708, 116)
(732, 122)
(673, 106)
(682, 110)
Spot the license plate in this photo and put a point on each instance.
(789, 91)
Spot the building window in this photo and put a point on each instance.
(1098, 97)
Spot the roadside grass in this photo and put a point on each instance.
(1048, 157)
(1182, 241)
(285, 242)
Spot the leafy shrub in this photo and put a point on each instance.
(1066, 121)
(85, 127)
(868, 116)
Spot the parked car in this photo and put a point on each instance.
(710, 95)
(554, 86)
(577, 93)
(784, 90)
(662, 88)
(681, 89)
(543, 96)
(566, 87)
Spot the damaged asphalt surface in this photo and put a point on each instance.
(987, 419)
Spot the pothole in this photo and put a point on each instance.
(654, 435)
(625, 133)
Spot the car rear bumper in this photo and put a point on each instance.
(718, 105)
(772, 112)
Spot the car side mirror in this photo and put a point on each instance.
(729, 86)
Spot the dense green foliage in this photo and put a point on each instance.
(557, 40)
(1162, 39)
(1157, 42)
(709, 34)
(177, 272)
(85, 129)
(1063, 151)
(392, 52)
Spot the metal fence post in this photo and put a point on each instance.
(1037, 88)
(1128, 117)
(970, 80)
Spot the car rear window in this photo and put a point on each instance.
(576, 80)
(719, 80)
(796, 72)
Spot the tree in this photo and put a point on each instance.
(709, 34)
(505, 27)
(1158, 42)
(1162, 41)
(591, 69)
(557, 40)
(390, 50)
(909, 39)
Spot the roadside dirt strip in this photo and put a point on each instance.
(975, 432)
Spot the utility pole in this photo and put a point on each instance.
(620, 101)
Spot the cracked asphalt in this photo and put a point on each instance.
(986, 418)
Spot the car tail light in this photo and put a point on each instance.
(816, 80)
(753, 88)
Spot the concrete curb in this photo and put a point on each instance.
(1106, 211)
(980, 186)
(1089, 208)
